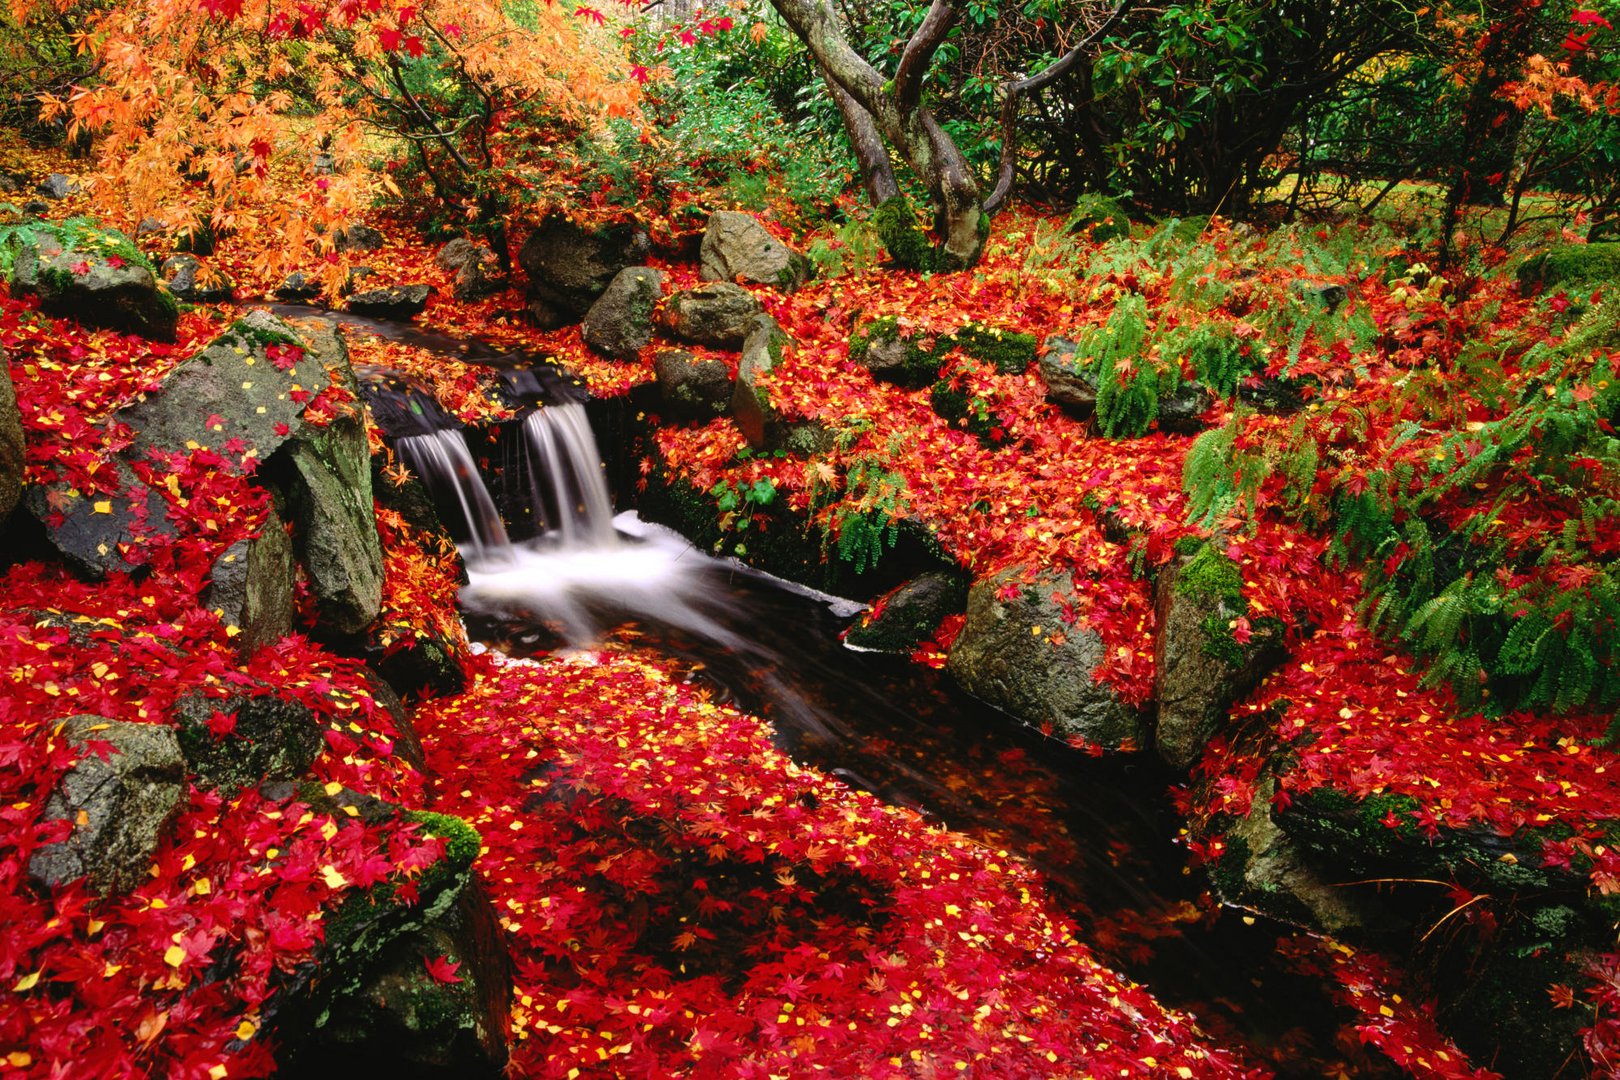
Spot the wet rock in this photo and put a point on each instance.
(1018, 654)
(120, 797)
(720, 315)
(36, 206)
(1273, 396)
(326, 480)
(569, 266)
(298, 286)
(620, 323)
(12, 448)
(234, 389)
(182, 273)
(475, 269)
(692, 389)
(751, 408)
(910, 615)
(1201, 666)
(10, 184)
(737, 247)
(358, 238)
(251, 588)
(1266, 870)
(399, 302)
(322, 164)
(1182, 412)
(102, 531)
(236, 742)
(96, 276)
(57, 186)
(1068, 385)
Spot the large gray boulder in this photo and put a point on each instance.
(720, 315)
(1019, 655)
(1182, 410)
(569, 266)
(751, 409)
(1205, 659)
(96, 276)
(620, 323)
(250, 384)
(119, 797)
(251, 588)
(737, 247)
(57, 186)
(239, 741)
(101, 531)
(691, 389)
(12, 450)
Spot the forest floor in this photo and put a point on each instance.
(637, 837)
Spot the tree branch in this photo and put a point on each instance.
(919, 53)
(1015, 89)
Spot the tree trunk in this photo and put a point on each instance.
(877, 171)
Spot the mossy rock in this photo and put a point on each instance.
(910, 615)
(896, 354)
(98, 276)
(1104, 218)
(1010, 351)
(1572, 264)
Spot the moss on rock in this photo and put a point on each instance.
(906, 243)
(1572, 263)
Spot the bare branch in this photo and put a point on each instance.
(919, 53)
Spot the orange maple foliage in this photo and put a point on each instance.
(215, 115)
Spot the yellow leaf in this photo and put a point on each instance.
(175, 956)
(26, 982)
(102, 506)
(333, 879)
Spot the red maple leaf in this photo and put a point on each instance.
(442, 969)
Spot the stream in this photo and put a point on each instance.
(1099, 829)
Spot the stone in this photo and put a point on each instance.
(1046, 678)
(910, 615)
(737, 247)
(102, 531)
(36, 206)
(1264, 869)
(1200, 668)
(1273, 395)
(235, 383)
(236, 742)
(399, 302)
(96, 276)
(620, 323)
(9, 183)
(358, 238)
(751, 408)
(692, 389)
(1325, 295)
(1182, 412)
(322, 163)
(1068, 385)
(400, 1021)
(298, 286)
(120, 797)
(719, 315)
(474, 269)
(181, 273)
(13, 461)
(1572, 264)
(251, 588)
(895, 351)
(569, 266)
(57, 186)
(326, 480)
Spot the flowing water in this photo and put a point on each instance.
(1099, 829)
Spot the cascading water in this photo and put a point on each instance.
(566, 489)
(443, 462)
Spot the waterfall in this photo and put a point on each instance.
(443, 462)
(567, 490)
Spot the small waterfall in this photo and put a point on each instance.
(443, 462)
(566, 487)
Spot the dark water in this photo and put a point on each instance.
(1101, 830)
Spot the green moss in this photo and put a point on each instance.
(1105, 218)
(263, 336)
(1009, 350)
(1211, 578)
(907, 245)
(1570, 263)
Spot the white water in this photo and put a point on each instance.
(442, 461)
